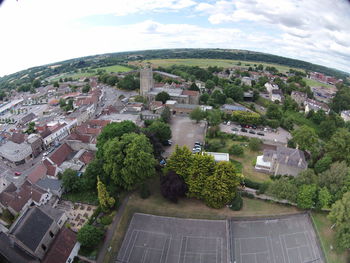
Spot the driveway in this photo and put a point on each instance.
(185, 132)
(281, 136)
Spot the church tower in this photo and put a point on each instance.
(146, 80)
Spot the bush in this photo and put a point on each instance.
(251, 184)
(236, 150)
(106, 220)
(214, 146)
(255, 144)
(262, 188)
(237, 202)
(144, 191)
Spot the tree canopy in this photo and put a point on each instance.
(162, 96)
(197, 114)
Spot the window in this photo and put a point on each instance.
(51, 234)
(43, 247)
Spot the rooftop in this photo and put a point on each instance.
(15, 152)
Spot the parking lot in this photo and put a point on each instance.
(289, 239)
(151, 239)
(185, 132)
(280, 136)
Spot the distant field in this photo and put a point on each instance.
(116, 68)
(204, 63)
(311, 83)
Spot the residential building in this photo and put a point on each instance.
(270, 86)
(299, 97)
(247, 81)
(345, 114)
(276, 95)
(324, 94)
(36, 143)
(50, 185)
(282, 161)
(315, 106)
(16, 154)
(219, 157)
(228, 108)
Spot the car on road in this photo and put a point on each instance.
(261, 134)
(18, 173)
(251, 131)
(244, 130)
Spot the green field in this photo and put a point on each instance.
(312, 83)
(204, 63)
(115, 69)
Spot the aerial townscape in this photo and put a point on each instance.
(138, 157)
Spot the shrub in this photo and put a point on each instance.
(248, 195)
(255, 144)
(251, 184)
(262, 188)
(237, 202)
(144, 191)
(236, 150)
(106, 220)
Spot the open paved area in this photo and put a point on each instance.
(289, 239)
(152, 239)
(185, 132)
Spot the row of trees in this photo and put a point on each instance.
(201, 177)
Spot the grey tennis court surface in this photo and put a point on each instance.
(152, 239)
(290, 239)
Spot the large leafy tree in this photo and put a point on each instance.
(338, 146)
(214, 117)
(172, 186)
(89, 236)
(180, 161)
(89, 178)
(283, 189)
(201, 168)
(340, 216)
(166, 114)
(71, 181)
(115, 130)
(162, 96)
(106, 201)
(305, 137)
(161, 130)
(234, 92)
(197, 114)
(274, 112)
(128, 160)
(220, 188)
(307, 196)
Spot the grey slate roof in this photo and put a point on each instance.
(287, 156)
(15, 152)
(32, 227)
(48, 183)
(12, 253)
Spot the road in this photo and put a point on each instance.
(281, 136)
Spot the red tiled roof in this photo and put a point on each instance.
(57, 127)
(79, 137)
(190, 93)
(98, 123)
(87, 157)
(38, 173)
(51, 170)
(61, 247)
(18, 137)
(61, 154)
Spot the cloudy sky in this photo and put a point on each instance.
(36, 32)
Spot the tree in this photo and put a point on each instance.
(197, 114)
(214, 117)
(273, 112)
(128, 160)
(323, 164)
(115, 130)
(89, 236)
(166, 114)
(255, 144)
(71, 181)
(129, 82)
(162, 96)
(236, 150)
(306, 196)
(234, 92)
(180, 161)
(283, 188)
(31, 128)
(305, 137)
(338, 146)
(202, 166)
(89, 177)
(336, 179)
(36, 83)
(204, 98)
(86, 88)
(340, 216)
(220, 188)
(194, 87)
(106, 202)
(55, 84)
(324, 198)
(218, 97)
(161, 130)
(209, 84)
(172, 186)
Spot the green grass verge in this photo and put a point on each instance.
(326, 236)
(312, 83)
(82, 197)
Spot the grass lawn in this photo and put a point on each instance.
(312, 83)
(244, 162)
(115, 68)
(326, 235)
(204, 63)
(83, 197)
(300, 119)
(186, 208)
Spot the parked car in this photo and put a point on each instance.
(252, 132)
(18, 173)
(244, 130)
(261, 134)
(198, 143)
(235, 129)
(168, 143)
(228, 123)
